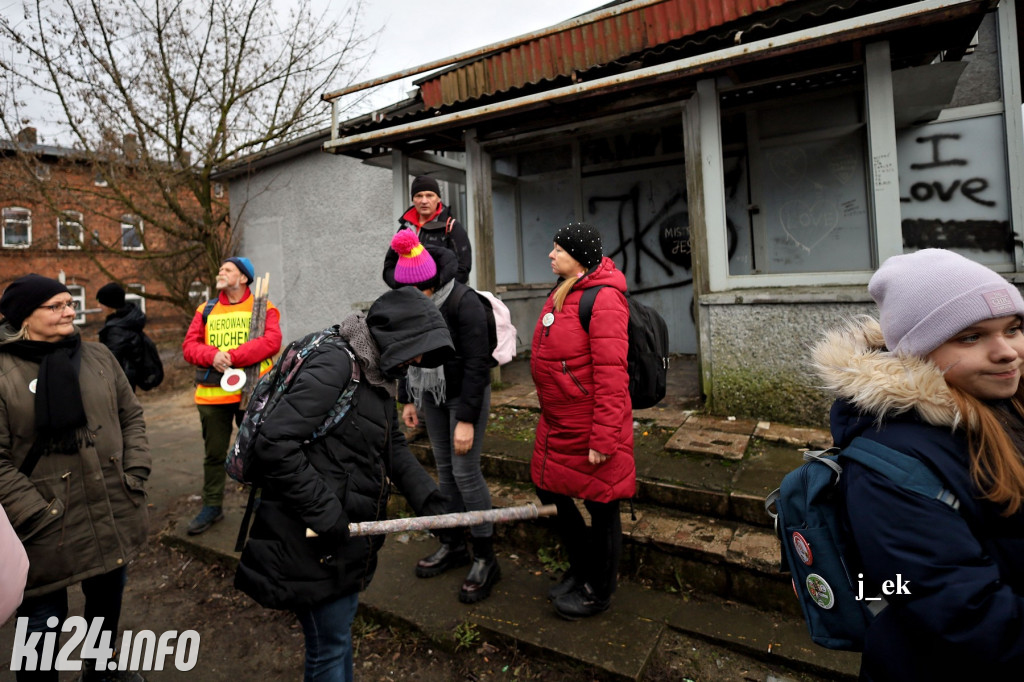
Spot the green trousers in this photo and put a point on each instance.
(217, 421)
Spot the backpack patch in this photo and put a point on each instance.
(276, 383)
(150, 369)
(648, 348)
(816, 551)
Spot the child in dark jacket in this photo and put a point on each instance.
(937, 378)
(456, 402)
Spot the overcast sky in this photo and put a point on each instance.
(412, 32)
(415, 32)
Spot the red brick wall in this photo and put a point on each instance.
(100, 214)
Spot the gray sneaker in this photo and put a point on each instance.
(206, 517)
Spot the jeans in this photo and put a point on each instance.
(328, 631)
(594, 552)
(103, 594)
(217, 421)
(459, 476)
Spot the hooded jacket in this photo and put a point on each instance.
(122, 334)
(80, 514)
(583, 387)
(964, 570)
(442, 230)
(468, 373)
(344, 477)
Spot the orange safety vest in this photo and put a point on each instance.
(227, 327)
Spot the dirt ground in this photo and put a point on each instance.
(241, 641)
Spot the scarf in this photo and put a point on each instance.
(357, 335)
(60, 415)
(431, 381)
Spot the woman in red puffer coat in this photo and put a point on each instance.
(584, 446)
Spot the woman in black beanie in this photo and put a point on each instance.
(584, 444)
(73, 462)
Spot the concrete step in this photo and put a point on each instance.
(615, 645)
(668, 549)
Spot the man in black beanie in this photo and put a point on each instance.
(122, 332)
(433, 223)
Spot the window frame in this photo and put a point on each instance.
(4, 218)
(77, 292)
(132, 222)
(64, 221)
(133, 292)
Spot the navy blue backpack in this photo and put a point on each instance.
(814, 550)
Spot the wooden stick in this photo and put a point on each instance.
(455, 520)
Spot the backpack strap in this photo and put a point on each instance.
(900, 468)
(208, 307)
(587, 305)
(455, 298)
(448, 225)
(243, 530)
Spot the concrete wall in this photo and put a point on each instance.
(320, 225)
(755, 345)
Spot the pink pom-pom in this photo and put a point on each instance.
(404, 241)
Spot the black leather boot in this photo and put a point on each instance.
(581, 603)
(570, 582)
(483, 574)
(448, 555)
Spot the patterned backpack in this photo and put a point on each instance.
(273, 385)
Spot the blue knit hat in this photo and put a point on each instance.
(244, 266)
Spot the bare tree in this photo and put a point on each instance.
(157, 95)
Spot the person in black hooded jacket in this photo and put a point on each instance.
(344, 477)
(122, 333)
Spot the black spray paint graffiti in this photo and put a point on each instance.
(985, 235)
(673, 222)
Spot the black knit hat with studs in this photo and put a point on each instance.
(582, 241)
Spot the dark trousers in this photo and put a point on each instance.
(103, 595)
(594, 552)
(217, 421)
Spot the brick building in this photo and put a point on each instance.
(59, 218)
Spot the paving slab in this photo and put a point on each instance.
(730, 446)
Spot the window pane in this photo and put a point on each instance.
(796, 177)
(69, 230)
(17, 227)
(78, 296)
(954, 191)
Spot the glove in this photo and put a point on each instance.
(435, 504)
(336, 535)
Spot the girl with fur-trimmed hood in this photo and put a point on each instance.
(937, 377)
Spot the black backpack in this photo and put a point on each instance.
(492, 327)
(648, 348)
(149, 369)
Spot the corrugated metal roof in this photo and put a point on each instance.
(582, 47)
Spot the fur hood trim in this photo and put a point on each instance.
(853, 363)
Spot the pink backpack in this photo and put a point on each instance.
(505, 350)
(13, 569)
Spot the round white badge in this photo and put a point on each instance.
(233, 380)
(820, 591)
(548, 319)
(32, 386)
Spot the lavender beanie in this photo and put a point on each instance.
(927, 296)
